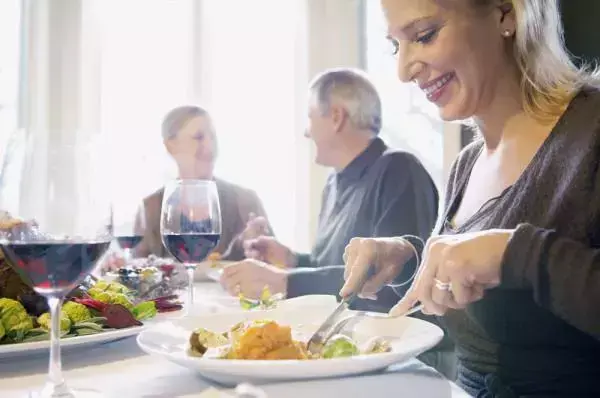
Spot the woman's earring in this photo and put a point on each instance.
(507, 33)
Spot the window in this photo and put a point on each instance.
(241, 65)
(10, 25)
(409, 120)
(146, 70)
(251, 83)
(10, 43)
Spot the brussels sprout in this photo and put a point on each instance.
(203, 339)
(14, 318)
(340, 346)
(76, 312)
(45, 322)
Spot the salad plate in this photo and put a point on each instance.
(42, 347)
(406, 338)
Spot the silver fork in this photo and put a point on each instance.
(355, 318)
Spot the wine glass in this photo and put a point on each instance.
(129, 227)
(190, 224)
(60, 225)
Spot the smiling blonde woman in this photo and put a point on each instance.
(513, 269)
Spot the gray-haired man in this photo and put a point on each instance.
(374, 191)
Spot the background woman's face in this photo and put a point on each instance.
(194, 148)
(453, 53)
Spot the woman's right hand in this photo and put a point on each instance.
(387, 257)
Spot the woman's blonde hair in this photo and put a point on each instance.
(549, 77)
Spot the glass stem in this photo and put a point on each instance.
(55, 366)
(190, 270)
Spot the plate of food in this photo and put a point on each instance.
(270, 345)
(97, 311)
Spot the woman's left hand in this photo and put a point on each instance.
(456, 270)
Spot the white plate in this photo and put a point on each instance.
(408, 336)
(25, 349)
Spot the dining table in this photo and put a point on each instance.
(120, 369)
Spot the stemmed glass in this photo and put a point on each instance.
(129, 227)
(190, 224)
(60, 196)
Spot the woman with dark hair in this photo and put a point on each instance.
(190, 139)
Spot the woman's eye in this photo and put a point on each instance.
(426, 37)
(394, 44)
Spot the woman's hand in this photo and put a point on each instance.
(387, 256)
(111, 262)
(255, 227)
(456, 270)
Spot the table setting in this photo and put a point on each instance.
(122, 368)
(164, 327)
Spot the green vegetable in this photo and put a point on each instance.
(45, 322)
(15, 320)
(117, 288)
(86, 331)
(120, 298)
(111, 297)
(2, 331)
(94, 292)
(340, 346)
(101, 285)
(76, 312)
(265, 301)
(36, 337)
(88, 325)
(144, 310)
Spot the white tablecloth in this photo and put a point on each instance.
(121, 370)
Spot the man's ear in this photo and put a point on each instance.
(339, 117)
(169, 146)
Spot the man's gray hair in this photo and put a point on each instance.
(354, 91)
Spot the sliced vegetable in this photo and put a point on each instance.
(144, 310)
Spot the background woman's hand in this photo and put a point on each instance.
(255, 227)
(456, 270)
(111, 262)
(387, 256)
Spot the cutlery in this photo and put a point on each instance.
(317, 341)
(340, 325)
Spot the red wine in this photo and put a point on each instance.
(54, 267)
(190, 248)
(129, 241)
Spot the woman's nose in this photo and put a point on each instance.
(408, 67)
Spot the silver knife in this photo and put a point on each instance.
(316, 342)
